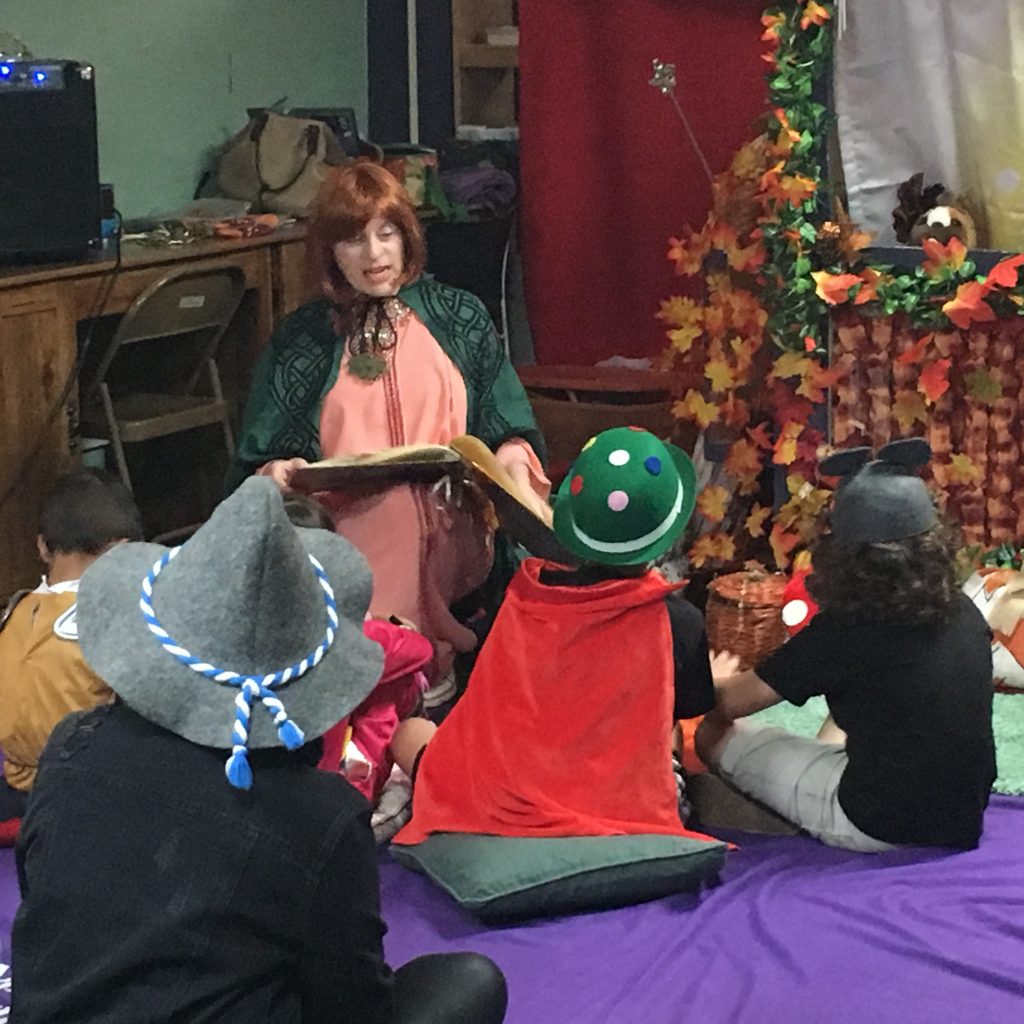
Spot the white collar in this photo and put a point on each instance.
(67, 587)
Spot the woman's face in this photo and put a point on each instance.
(374, 260)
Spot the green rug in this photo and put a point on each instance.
(1007, 724)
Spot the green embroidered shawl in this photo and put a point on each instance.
(301, 363)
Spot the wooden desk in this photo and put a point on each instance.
(40, 311)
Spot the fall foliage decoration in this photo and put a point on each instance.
(780, 260)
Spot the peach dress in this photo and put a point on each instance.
(426, 550)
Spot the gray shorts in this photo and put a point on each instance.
(796, 777)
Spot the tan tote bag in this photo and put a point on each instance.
(278, 163)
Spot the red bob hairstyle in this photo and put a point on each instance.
(350, 197)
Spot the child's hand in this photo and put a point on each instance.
(724, 664)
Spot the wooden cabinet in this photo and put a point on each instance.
(36, 367)
(294, 281)
(484, 73)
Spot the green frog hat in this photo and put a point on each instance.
(626, 498)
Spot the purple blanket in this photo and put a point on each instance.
(796, 934)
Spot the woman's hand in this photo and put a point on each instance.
(723, 665)
(520, 473)
(282, 470)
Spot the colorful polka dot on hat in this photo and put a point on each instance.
(626, 498)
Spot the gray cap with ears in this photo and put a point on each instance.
(880, 499)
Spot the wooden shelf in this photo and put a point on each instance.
(485, 76)
(483, 55)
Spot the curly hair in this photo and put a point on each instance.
(911, 581)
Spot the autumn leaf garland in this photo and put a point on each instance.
(777, 273)
(759, 240)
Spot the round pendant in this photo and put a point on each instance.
(367, 366)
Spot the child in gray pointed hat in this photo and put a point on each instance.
(268, 650)
(904, 662)
(154, 889)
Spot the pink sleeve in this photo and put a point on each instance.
(516, 452)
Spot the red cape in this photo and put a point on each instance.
(565, 728)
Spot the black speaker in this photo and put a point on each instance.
(49, 169)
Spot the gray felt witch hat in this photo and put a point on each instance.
(248, 636)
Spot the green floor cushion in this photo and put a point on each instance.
(501, 879)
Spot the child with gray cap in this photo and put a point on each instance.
(154, 888)
(904, 661)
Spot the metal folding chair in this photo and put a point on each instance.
(188, 308)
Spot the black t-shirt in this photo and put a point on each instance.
(694, 687)
(916, 705)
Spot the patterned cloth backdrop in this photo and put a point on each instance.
(877, 399)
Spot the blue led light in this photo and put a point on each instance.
(5, 70)
(40, 76)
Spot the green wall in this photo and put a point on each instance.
(174, 77)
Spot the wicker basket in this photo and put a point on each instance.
(744, 614)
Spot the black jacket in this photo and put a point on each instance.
(155, 892)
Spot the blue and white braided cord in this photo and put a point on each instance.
(251, 688)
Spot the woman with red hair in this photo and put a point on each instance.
(385, 358)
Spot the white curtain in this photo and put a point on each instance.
(934, 86)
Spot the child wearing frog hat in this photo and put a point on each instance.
(567, 718)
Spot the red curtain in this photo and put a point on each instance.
(607, 172)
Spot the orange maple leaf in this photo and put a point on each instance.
(969, 306)
(735, 411)
(869, 289)
(951, 255)
(712, 547)
(785, 446)
(755, 521)
(715, 321)
(782, 543)
(791, 363)
(743, 459)
(934, 380)
(746, 259)
(772, 23)
(793, 188)
(913, 355)
(788, 136)
(682, 338)
(713, 502)
(962, 470)
(817, 381)
(679, 311)
(909, 408)
(759, 435)
(1004, 273)
(770, 178)
(688, 252)
(743, 349)
(694, 407)
(723, 236)
(721, 375)
(814, 14)
(834, 288)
